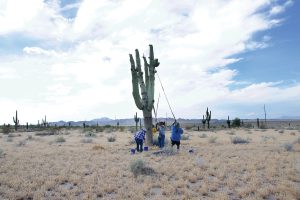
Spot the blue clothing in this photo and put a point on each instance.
(161, 130)
(161, 141)
(139, 145)
(140, 135)
(176, 133)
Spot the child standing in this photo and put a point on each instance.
(139, 139)
(161, 134)
(176, 132)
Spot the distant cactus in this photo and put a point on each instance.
(203, 121)
(16, 121)
(44, 121)
(257, 122)
(228, 122)
(136, 119)
(69, 124)
(84, 124)
(208, 117)
(26, 125)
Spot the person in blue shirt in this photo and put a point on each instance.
(139, 139)
(176, 133)
(161, 134)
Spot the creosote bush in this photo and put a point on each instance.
(236, 122)
(111, 138)
(90, 134)
(6, 129)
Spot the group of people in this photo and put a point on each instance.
(176, 132)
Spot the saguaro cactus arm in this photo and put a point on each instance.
(135, 85)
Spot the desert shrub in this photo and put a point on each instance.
(111, 138)
(99, 129)
(1, 153)
(60, 139)
(231, 133)
(248, 125)
(9, 139)
(121, 128)
(21, 143)
(236, 122)
(288, 146)
(281, 131)
(98, 147)
(87, 140)
(29, 137)
(138, 167)
(263, 126)
(90, 134)
(293, 133)
(6, 129)
(12, 135)
(107, 126)
(239, 140)
(297, 141)
(212, 139)
(203, 135)
(184, 137)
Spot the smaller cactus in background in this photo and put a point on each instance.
(16, 121)
(257, 122)
(83, 124)
(136, 119)
(208, 117)
(203, 121)
(26, 125)
(228, 122)
(44, 121)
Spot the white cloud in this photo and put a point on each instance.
(82, 66)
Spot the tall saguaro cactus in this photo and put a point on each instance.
(44, 121)
(143, 88)
(228, 122)
(208, 117)
(16, 121)
(136, 119)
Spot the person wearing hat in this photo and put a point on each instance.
(139, 138)
(176, 132)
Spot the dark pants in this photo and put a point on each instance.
(139, 145)
(175, 142)
(161, 141)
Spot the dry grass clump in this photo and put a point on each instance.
(288, 146)
(87, 140)
(21, 143)
(9, 139)
(184, 137)
(98, 147)
(139, 167)
(60, 139)
(1, 153)
(239, 140)
(231, 133)
(90, 134)
(212, 139)
(203, 135)
(281, 131)
(111, 138)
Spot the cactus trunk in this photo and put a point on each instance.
(143, 88)
(16, 121)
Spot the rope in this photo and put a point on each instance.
(166, 97)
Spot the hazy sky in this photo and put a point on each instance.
(69, 59)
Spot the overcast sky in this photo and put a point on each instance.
(69, 59)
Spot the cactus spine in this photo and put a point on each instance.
(228, 122)
(136, 119)
(16, 121)
(208, 117)
(144, 99)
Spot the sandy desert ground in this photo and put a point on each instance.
(87, 166)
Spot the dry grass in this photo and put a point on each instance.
(261, 169)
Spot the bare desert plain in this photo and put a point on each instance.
(77, 163)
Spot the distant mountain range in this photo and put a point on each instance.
(130, 121)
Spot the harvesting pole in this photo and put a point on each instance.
(143, 88)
